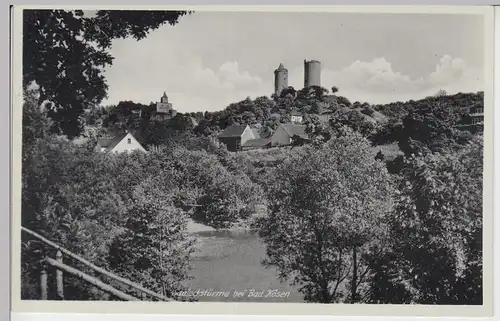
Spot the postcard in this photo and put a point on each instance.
(311, 160)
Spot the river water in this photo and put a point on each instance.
(227, 267)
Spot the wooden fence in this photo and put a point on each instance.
(58, 264)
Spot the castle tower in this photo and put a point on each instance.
(164, 107)
(280, 79)
(164, 98)
(312, 73)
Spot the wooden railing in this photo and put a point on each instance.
(61, 268)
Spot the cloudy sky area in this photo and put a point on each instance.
(211, 59)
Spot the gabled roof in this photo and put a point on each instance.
(110, 143)
(259, 142)
(293, 129)
(233, 131)
(255, 132)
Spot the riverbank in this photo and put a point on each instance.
(229, 261)
(242, 225)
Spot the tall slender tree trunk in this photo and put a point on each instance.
(163, 289)
(354, 274)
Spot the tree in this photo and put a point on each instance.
(317, 131)
(68, 196)
(441, 93)
(65, 53)
(326, 208)
(435, 253)
(154, 249)
(226, 195)
(431, 126)
(353, 119)
(288, 91)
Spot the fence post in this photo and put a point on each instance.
(59, 277)
(43, 283)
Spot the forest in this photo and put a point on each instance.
(383, 206)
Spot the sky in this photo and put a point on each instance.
(211, 59)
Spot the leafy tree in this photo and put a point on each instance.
(155, 248)
(440, 93)
(367, 111)
(225, 193)
(288, 91)
(65, 53)
(435, 253)
(312, 92)
(317, 131)
(326, 208)
(270, 125)
(353, 119)
(431, 127)
(68, 197)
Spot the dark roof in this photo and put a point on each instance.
(259, 142)
(266, 134)
(110, 143)
(293, 129)
(233, 131)
(281, 67)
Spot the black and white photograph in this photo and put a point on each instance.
(253, 156)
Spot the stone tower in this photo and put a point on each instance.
(312, 73)
(164, 98)
(164, 107)
(280, 79)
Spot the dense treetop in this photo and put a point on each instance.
(65, 53)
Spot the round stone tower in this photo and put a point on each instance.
(312, 73)
(280, 79)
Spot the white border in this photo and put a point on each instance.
(262, 308)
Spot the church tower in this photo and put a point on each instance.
(280, 79)
(164, 107)
(164, 98)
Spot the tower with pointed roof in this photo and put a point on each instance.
(280, 79)
(164, 98)
(164, 107)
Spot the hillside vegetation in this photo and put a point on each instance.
(377, 184)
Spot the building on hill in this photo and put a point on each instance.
(280, 79)
(256, 132)
(235, 136)
(474, 120)
(312, 76)
(257, 143)
(296, 118)
(477, 115)
(312, 73)
(125, 142)
(325, 115)
(285, 135)
(164, 108)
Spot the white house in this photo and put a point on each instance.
(296, 118)
(125, 142)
